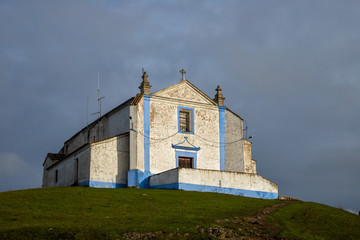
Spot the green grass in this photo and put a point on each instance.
(90, 213)
(307, 220)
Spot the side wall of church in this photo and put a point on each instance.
(234, 156)
(46, 177)
(114, 124)
(164, 132)
(66, 170)
(110, 162)
(133, 136)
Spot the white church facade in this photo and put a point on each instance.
(176, 138)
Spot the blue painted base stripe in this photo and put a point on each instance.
(98, 184)
(137, 178)
(232, 191)
(166, 186)
(133, 178)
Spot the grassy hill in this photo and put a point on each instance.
(89, 213)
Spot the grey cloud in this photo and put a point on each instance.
(15, 173)
(289, 68)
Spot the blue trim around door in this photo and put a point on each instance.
(186, 154)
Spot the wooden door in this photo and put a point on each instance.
(185, 162)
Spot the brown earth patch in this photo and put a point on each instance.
(248, 228)
(254, 227)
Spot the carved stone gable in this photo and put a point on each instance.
(184, 91)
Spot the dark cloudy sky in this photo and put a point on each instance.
(290, 68)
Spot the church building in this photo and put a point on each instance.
(175, 138)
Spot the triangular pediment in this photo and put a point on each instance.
(185, 90)
(185, 145)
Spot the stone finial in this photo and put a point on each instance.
(219, 98)
(145, 85)
(183, 74)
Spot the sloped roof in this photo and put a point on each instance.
(234, 113)
(174, 86)
(54, 157)
(103, 116)
(136, 99)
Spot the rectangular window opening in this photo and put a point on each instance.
(76, 171)
(185, 120)
(56, 176)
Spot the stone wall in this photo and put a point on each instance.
(165, 178)
(244, 184)
(110, 162)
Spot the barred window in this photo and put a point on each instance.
(185, 121)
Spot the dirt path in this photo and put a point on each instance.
(254, 227)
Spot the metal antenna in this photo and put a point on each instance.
(87, 118)
(99, 107)
(87, 110)
(99, 99)
(245, 129)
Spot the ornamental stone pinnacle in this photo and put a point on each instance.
(145, 85)
(219, 98)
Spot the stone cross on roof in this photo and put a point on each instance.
(183, 74)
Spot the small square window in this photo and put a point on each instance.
(186, 120)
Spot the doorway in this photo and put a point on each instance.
(186, 162)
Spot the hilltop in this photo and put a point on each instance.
(90, 213)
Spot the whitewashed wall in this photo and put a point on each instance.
(245, 184)
(249, 163)
(118, 122)
(140, 136)
(234, 156)
(66, 169)
(114, 123)
(234, 180)
(165, 178)
(110, 160)
(133, 135)
(164, 123)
